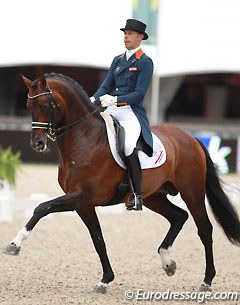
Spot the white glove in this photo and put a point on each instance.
(108, 100)
(92, 99)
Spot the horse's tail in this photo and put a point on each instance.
(223, 210)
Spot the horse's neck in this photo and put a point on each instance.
(76, 112)
(79, 144)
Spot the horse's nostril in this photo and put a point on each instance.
(38, 145)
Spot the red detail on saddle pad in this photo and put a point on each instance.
(159, 157)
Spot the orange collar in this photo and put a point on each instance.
(138, 54)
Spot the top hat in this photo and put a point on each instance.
(135, 25)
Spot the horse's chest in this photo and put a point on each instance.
(70, 176)
(65, 174)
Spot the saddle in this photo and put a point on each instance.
(116, 138)
(120, 138)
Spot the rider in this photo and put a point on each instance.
(122, 92)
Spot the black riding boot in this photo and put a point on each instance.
(135, 174)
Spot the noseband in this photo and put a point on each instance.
(52, 132)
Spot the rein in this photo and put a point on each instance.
(54, 133)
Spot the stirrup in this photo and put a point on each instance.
(138, 202)
(135, 203)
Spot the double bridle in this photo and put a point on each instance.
(52, 132)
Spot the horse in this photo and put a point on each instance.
(89, 176)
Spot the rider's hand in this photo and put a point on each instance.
(108, 100)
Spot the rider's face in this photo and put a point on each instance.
(132, 39)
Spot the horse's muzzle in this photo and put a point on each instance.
(40, 145)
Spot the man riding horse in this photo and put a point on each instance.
(122, 92)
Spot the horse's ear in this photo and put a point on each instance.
(43, 81)
(27, 81)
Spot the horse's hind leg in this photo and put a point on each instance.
(197, 208)
(176, 217)
(90, 219)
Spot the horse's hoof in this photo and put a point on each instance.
(204, 287)
(171, 268)
(11, 249)
(100, 288)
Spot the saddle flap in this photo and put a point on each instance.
(116, 143)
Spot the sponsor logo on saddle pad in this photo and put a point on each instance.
(159, 153)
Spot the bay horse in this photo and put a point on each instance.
(89, 176)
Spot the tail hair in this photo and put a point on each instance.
(223, 210)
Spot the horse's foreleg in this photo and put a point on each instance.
(90, 219)
(176, 217)
(60, 204)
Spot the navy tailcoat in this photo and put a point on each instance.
(129, 81)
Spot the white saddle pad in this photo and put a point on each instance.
(159, 153)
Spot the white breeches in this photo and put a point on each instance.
(130, 123)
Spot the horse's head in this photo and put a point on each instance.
(58, 105)
(46, 112)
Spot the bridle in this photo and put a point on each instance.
(52, 132)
